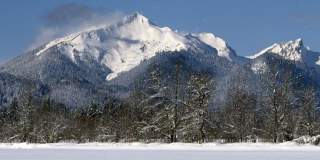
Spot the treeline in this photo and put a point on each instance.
(178, 109)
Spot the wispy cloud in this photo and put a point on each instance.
(69, 18)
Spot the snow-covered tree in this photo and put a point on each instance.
(195, 117)
(279, 101)
(239, 115)
(309, 114)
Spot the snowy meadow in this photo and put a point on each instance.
(175, 151)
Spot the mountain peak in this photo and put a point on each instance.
(290, 50)
(138, 15)
(296, 44)
(217, 43)
(299, 41)
(136, 18)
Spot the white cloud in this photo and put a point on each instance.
(71, 18)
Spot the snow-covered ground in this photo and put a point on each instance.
(178, 151)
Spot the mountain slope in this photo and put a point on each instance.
(224, 50)
(88, 64)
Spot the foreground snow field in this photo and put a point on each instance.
(135, 151)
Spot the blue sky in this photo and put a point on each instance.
(247, 25)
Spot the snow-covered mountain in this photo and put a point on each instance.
(82, 64)
(123, 46)
(293, 51)
(104, 61)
